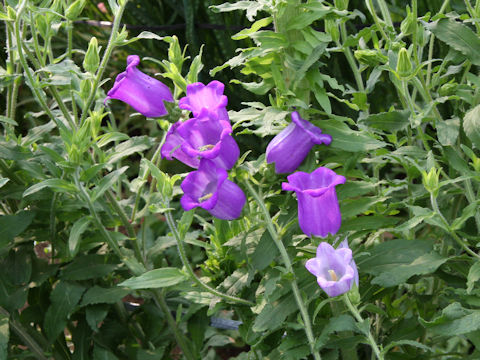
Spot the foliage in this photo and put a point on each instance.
(90, 217)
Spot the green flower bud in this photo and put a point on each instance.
(448, 89)
(404, 66)
(331, 28)
(354, 295)
(430, 180)
(476, 164)
(92, 58)
(75, 9)
(408, 24)
(370, 57)
(341, 4)
(12, 15)
(85, 89)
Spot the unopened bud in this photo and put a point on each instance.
(331, 28)
(430, 180)
(12, 15)
(75, 9)
(341, 4)
(404, 66)
(408, 24)
(370, 57)
(92, 58)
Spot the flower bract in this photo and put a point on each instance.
(209, 188)
(290, 147)
(142, 92)
(318, 209)
(333, 269)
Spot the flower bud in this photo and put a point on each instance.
(370, 57)
(341, 4)
(85, 89)
(404, 66)
(331, 28)
(75, 9)
(92, 59)
(448, 89)
(476, 164)
(12, 15)
(408, 24)
(430, 180)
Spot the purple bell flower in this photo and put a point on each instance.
(318, 209)
(210, 97)
(288, 149)
(142, 92)
(333, 269)
(209, 188)
(202, 137)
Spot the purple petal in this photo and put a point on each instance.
(209, 188)
(290, 147)
(208, 97)
(144, 93)
(344, 244)
(172, 148)
(341, 286)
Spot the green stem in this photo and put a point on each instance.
(471, 199)
(288, 265)
(27, 70)
(433, 201)
(186, 264)
(376, 20)
(105, 59)
(69, 39)
(353, 309)
(473, 14)
(385, 12)
(181, 339)
(350, 59)
(25, 336)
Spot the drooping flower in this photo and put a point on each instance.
(202, 137)
(318, 209)
(333, 269)
(210, 97)
(209, 188)
(142, 92)
(288, 149)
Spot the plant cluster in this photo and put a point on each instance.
(168, 226)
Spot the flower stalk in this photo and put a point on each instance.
(288, 264)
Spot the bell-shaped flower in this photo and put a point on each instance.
(318, 209)
(202, 137)
(210, 97)
(209, 188)
(333, 269)
(142, 92)
(290, 147)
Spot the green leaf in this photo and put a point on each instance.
(391, 121)
(129, 147)
(447, 131)
(7, 120)
(11, 151)
(339, 323)
(453, 320)
(99, 295)
(347, 139)
(406, 342)
(471, 124)
(13, 225)
(107, 182)
(3, 181)
(395, 261)
(308, 14)
(373, 222)
(95, 315)
(4, 336)
(86, 267)
(273, 316)
(100, 353)
(110, 137)
(265, 252)
(252, 7)
(239, 279)
(157, 278)
(458, 36)
(473, 276)
(195, 68)
(467, 213)
(75, 233)
(257, 25)
(64, 299)
(57, 185)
